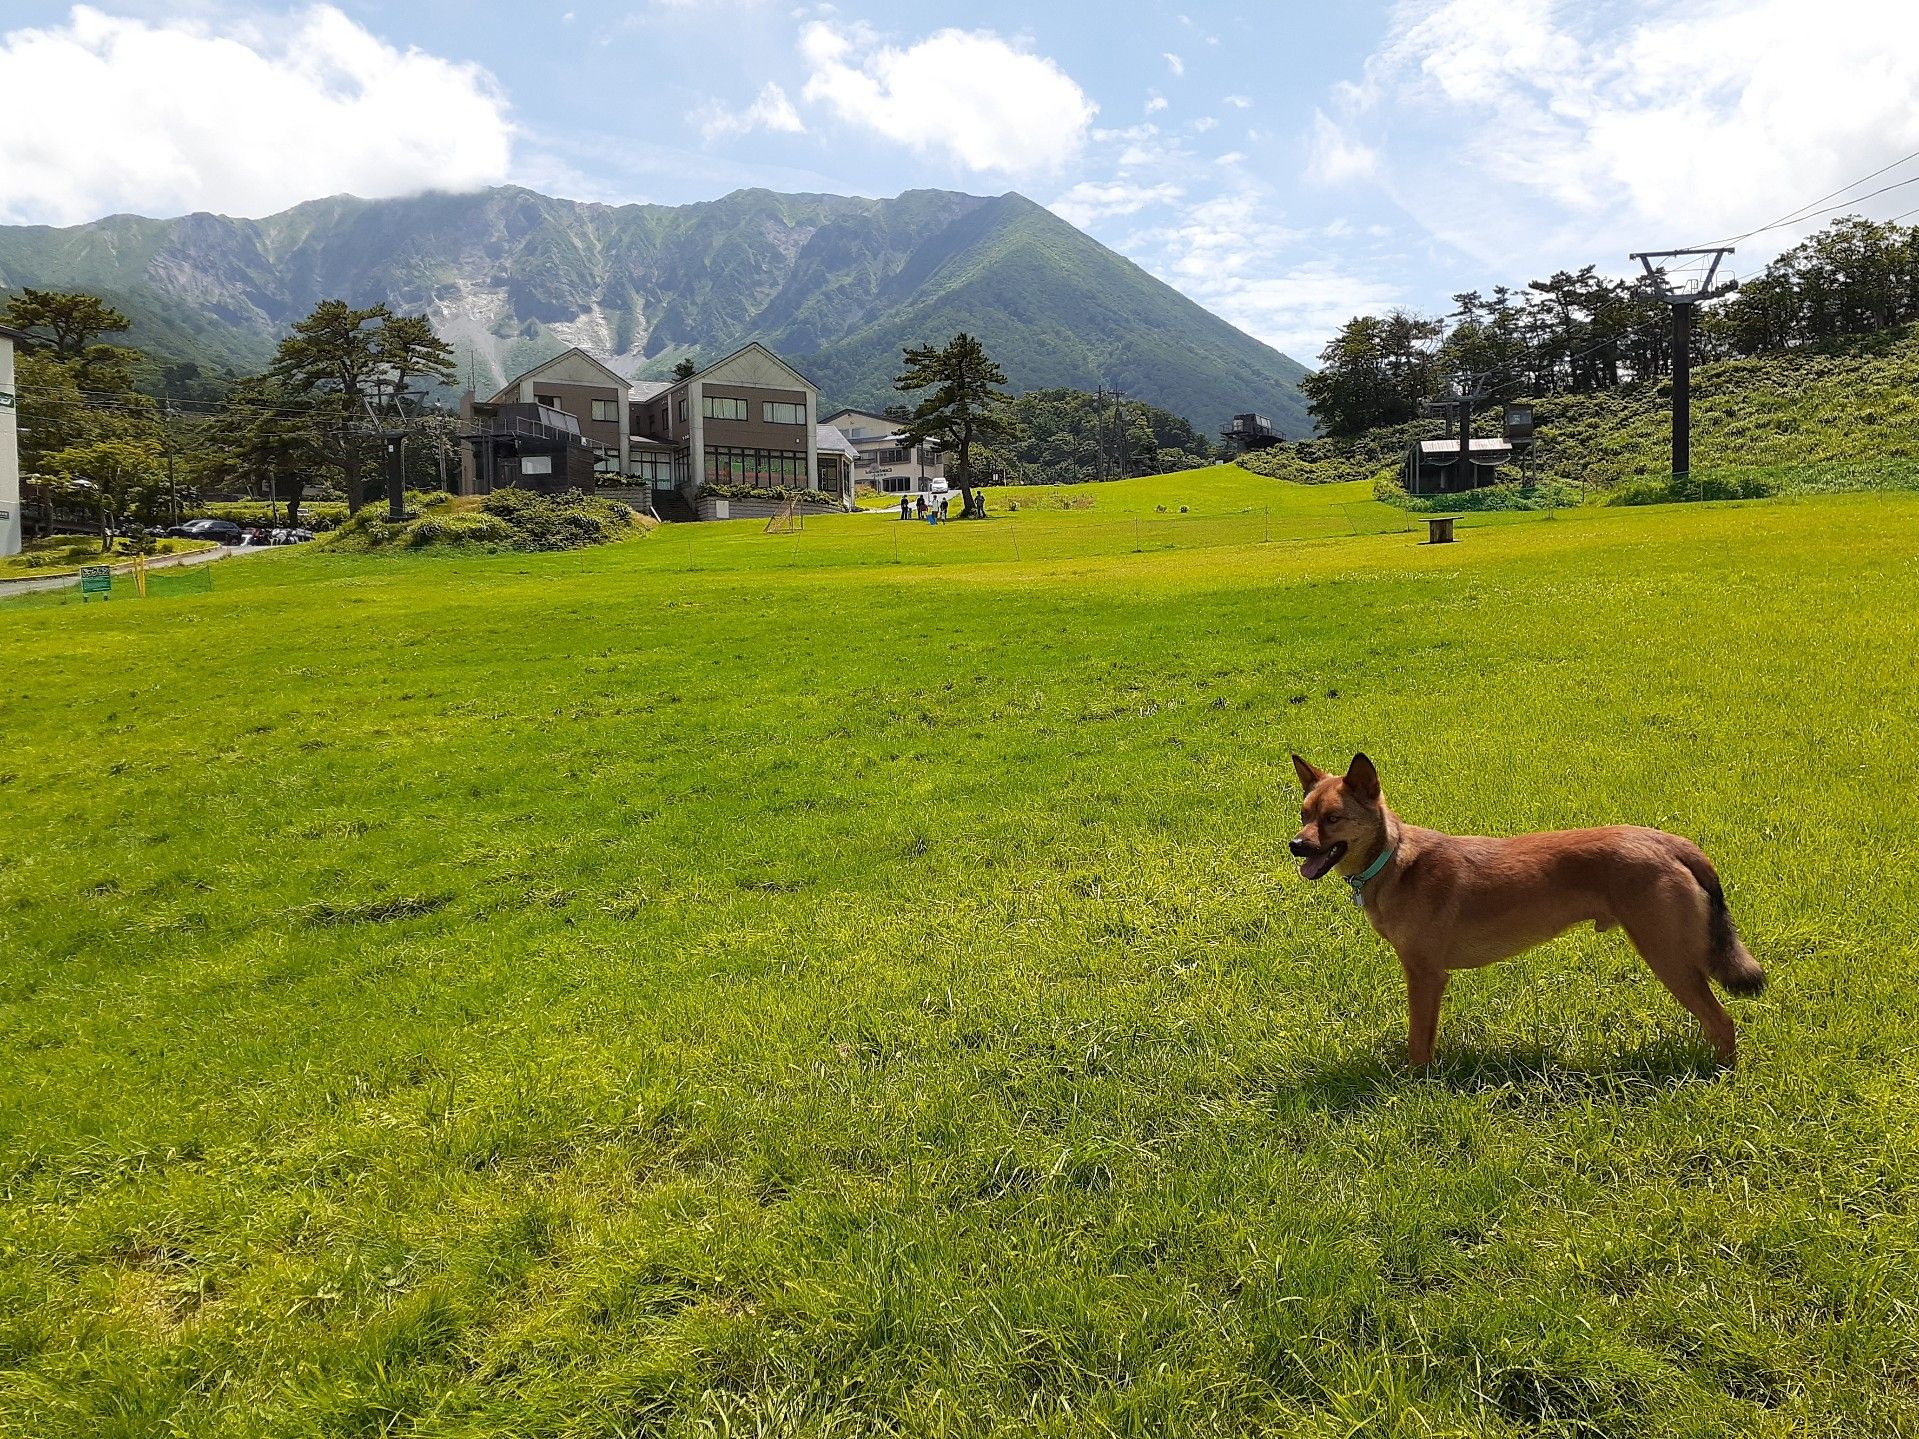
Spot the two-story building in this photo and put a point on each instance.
(885, 463)
(748, 421)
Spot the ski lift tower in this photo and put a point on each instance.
(1684, 297)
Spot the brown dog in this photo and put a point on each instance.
(1448, 902)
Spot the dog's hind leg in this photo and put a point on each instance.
(1681, 967)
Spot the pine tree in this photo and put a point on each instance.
(966, 406)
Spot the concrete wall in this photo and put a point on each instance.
(712, 508)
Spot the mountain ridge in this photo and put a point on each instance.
(837, 283)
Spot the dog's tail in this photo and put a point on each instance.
(1727, 959)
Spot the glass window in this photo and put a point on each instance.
(779, 412)
(608, 410)
(892, 457)
(760, 469)
(536, 464)
(722, 407)
(682, 409)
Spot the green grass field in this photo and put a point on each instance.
(724, 983)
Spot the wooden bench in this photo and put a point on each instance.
(1439, 529)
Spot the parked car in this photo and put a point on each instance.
(223, 532)
(285, 536)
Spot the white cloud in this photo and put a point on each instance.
(106, 114)
(1239, 102)
(1642, 120)
(1231, 255)
(1231, 157)
(983, 101)
(1155, 104)
(1204, 123)
(1336, 157)
(1174, 63)
(770, 110)
(1092, 200)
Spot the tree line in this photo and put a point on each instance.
(96, 440)
(93, 439)
(1579, 332)
(1050, 436)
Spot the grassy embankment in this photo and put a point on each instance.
(41, 559)
(715, 983)
(1800, 422)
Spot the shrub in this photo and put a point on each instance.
(1547, 495)
(463, 527)
(1647, 491)
(568, 521)
(778, 494)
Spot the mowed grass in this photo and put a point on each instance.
(647, 992)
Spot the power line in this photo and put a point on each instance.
(1796, 216)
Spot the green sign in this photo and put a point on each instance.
(6, 399)
(96, 580)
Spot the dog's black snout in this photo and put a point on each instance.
(1301, 849)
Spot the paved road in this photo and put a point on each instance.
(124, 571)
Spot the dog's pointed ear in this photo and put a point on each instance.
(1309, 773)
(1362, 779)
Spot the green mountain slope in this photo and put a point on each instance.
(838, 284)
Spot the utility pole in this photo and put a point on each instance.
(166, 443)
(1099, 432)
(392, 435)
(1684, 302)
(1120, 439)
(1458, 412)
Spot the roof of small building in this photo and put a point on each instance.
(827, 437)
(1487, 450)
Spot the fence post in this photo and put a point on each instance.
(1269, 524)
(1136, 544)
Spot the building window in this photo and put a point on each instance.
(896, 484)
(655, 467)
(722, 407)
(891, 457)
(552, 402)
(607, 410)
(762, 469)
(536, 464)
(779, 412)
(682, 409)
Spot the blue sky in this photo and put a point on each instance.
(1286, 164)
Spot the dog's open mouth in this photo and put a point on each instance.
(1315, 866)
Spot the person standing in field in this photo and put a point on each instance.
(903, 514)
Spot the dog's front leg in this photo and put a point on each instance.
(1425, 983)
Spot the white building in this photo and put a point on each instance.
(9, 447)
(884, 462)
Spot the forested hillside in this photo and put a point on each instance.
(1807, 377)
